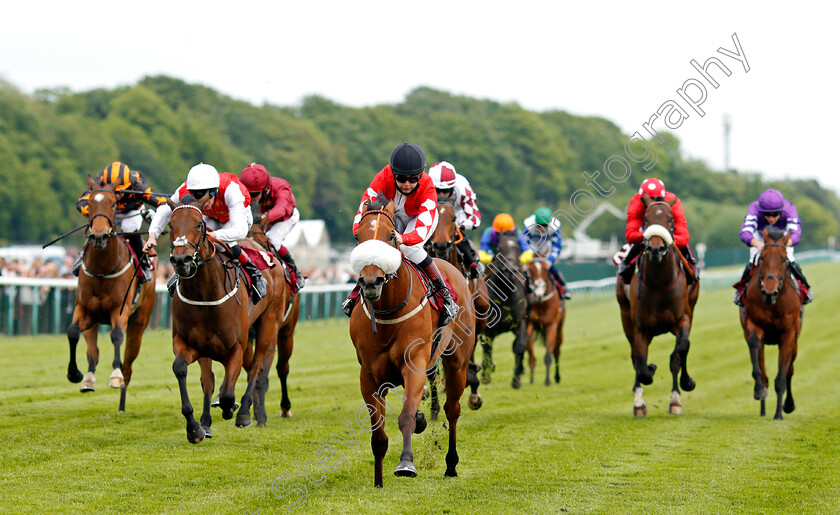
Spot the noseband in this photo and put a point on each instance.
(110, 219)
(762, 276)
(183, 241)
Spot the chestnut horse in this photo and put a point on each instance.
(506, 286)
(442, 244)
(285, 337)
(546, 315)
(106, 289)
(772, 315)
(394, 330)
(658, 301)
(210, 319)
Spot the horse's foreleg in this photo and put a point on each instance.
(285, 344)
(551, 331)
(532, 360)
(757, 357)
(81, 322)
(132, 349)
(475, 401)
(117, 337)
(227, 395)
(376, 408)
(644, 372)
(90, 336)
(487, 365)
(789, 405)
(262, 388)
(266, 339)
(434, 403)
(559, 343)
(208, 384)
(409, 415)
(455, 374)
(786, 355)
(520, 344)
(183, 357)
(682, 347)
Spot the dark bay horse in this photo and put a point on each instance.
(506, 286)
(546, 315)
(210, 319)
(394, 330)
(285, 336)
(106, 289)
(442, 245)
(658, 301)
(772, 315)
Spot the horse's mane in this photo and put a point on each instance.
(380, 202)
(187, 199)
(775, 233)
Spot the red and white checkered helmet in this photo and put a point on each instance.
(443, 175)
(653, 187)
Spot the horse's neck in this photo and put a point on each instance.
(395, 290)
(102, 261)
(663, 273)
(209, 281)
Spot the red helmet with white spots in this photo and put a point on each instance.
(443, 175)
(653, 187)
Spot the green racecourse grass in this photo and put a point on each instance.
(573, 447)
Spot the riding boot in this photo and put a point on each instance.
(136, 242)
(348, 305)
(286, 256)
(558, 276)
(741, 285)
(800, 276)
(259, 285)
(686, 252)
(77, 265)
(450, 308)
(627, 266)
(469, 256)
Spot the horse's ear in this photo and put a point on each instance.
(390, 208)
(90, 182)
(366, 205)
(646, 200)
(171, 203)
(766, 234)
(672, 201)
(786, 238)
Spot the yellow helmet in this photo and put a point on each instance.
(503, 222)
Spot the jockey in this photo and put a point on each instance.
(655, 189)
(276, 202)
(489, 244)
(225, 212)
(129, 215)
(454, 188)
(415, 216)
(771, 208)
(542, 236)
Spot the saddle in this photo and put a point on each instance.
(435, 298)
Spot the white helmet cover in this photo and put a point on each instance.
(443, 175)
(202, 177)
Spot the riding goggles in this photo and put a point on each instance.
(413, 179)
(198, 194)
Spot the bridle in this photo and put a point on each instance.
(183, 241)
(110, 218)
(762, 276)
(670, 225)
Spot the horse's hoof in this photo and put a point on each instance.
(243, 420)
(425, 393)
(789, 406)
(760, 394)
(516, 383)
(116, 380)
(557, 379)
(74, 376)
(687, 383)
(475, 401)
(486, 379)
(214, 403)
(451, 473)
(675, 409)
(434, 416)
(640, 411)
(405, 469)
(196, 436)
(207, 432)
(286, 414)
(419, 423)
(548, 382)
(778, 416)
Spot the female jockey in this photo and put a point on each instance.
(129, 216)
(542, 236)
(415, 215)
(655, 189)
(454, 188)
(771, 208)
(225, 212)
(276, 202)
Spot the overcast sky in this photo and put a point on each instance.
(619, 60)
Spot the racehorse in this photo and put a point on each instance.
(285, 337)
(210, 318)
(546, 315)
(772, 315)
(106, 289)
(657, 301)
(393, 329)
(442, 244)
(506, 286)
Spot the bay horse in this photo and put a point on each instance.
(506, 286)
(285, 336)
(210, 318)
(658, 301)
(106, 288)
(546, 315)
(394, 331)
(772, 315)
(443, 245)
